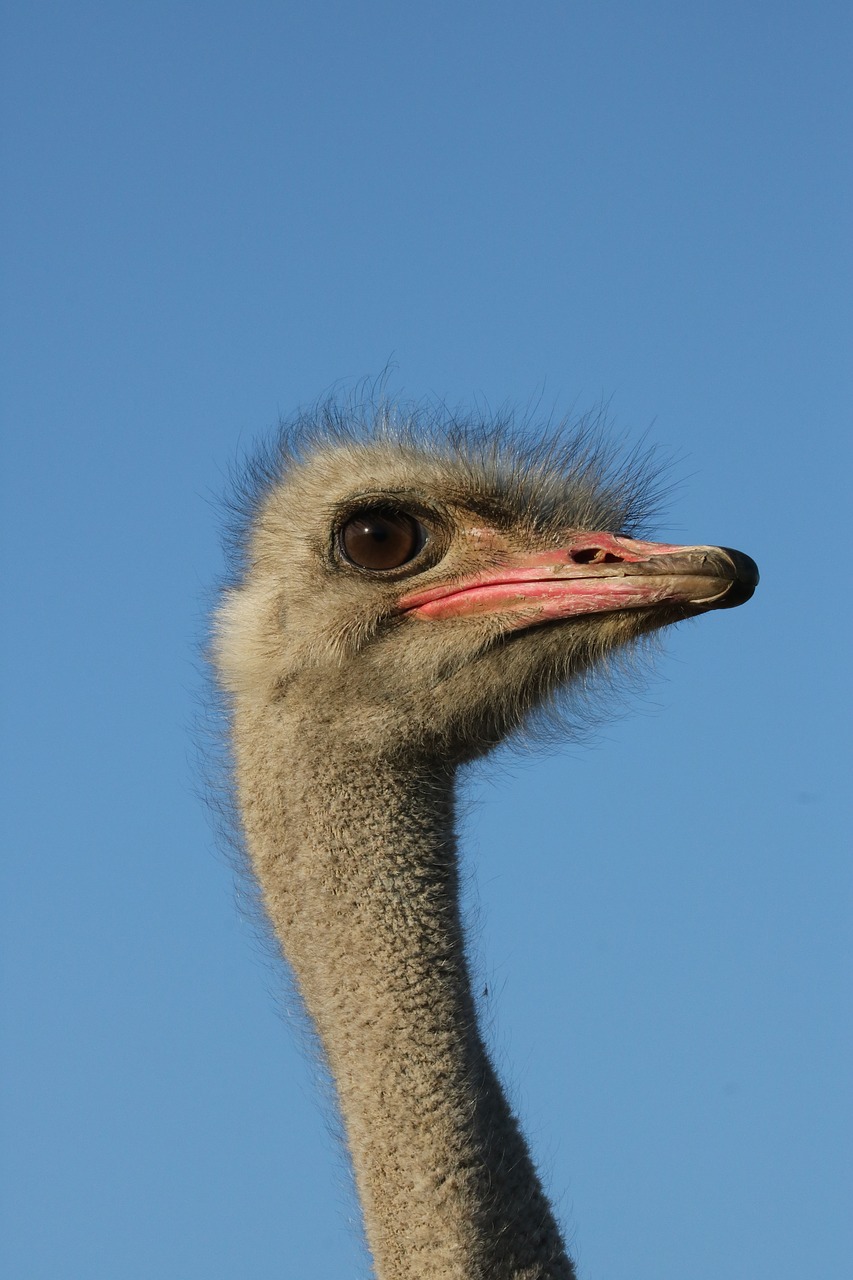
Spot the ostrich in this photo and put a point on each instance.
(408, 594)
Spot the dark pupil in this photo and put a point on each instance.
(379, 540)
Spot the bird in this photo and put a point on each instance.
(411, 589)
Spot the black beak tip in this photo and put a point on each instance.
(745, 580)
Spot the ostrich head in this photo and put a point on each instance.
(407, 595)
(421, 591)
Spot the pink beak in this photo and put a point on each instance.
(595, 573)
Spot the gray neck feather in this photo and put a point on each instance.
(357, 864)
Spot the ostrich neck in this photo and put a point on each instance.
(359, 876)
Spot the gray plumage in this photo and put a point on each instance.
(356, 690)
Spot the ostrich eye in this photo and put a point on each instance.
(381, 539)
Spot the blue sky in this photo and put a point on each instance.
(217, 214)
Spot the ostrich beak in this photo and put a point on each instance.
(595, 573)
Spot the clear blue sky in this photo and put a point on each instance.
(215, 213)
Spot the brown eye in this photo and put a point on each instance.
(381, 539)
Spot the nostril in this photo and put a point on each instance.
(594, 555)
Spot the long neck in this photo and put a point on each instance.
(359, 876)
